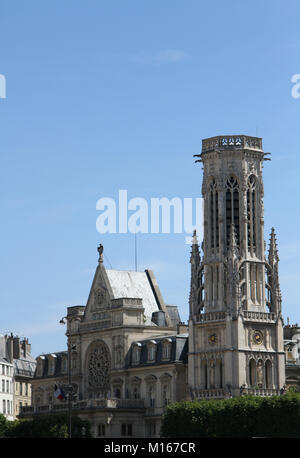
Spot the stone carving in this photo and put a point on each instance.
(99, 367)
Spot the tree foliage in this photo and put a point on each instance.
(246, 416)
(48, 426)
(4, 424)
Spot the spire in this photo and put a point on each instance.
(273, 250)
(195, 255)
(273, 275)
(195, 261)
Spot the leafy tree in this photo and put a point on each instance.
(3, 425)
(48, 426)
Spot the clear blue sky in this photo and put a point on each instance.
(109, 95)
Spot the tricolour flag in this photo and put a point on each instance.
(58, 393)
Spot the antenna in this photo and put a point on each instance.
(135, 251)
(107, 260)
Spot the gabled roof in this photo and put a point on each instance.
(111, 284)
(134, 285)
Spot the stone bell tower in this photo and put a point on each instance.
(235, 323)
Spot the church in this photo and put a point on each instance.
(129, 355)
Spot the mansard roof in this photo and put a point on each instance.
(58, 370)
(178, 350)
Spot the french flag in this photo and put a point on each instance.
(58, 393)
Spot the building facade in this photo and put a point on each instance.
(6, 387)
(236, 324)
(129, 355)
(17, 368)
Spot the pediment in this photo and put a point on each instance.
(100, 295)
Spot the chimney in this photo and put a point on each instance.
(10, 348)
(26, 347)
(16, 347)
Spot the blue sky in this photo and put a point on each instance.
(109, 95)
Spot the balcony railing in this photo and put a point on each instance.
(259, 316)
(213, 393)
(260, 392)
(210, 316)
(86, 404)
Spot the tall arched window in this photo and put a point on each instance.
(252, 372)
(220, 374)
(268, 375)
(214, 215)
(203, 375)
(232, 208)
(251, 212)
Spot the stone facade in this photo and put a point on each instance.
(235, 324)
(292, 360)
(129, 355)
(17, 368)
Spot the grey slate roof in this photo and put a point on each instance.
(179, 350)
(134, 285)
(25, 366)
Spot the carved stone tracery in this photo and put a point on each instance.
(99, 367)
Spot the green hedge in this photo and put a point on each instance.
(247, 416)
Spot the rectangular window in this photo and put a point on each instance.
(101, 430)
(126, 429)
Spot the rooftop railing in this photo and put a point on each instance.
(231, 142)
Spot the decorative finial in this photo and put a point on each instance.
(195, 256)
(100, 251)
(273, 251)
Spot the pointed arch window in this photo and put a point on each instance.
(268, 374)
(251, 212)
(252, 372)
(232, 208)
(214, 215)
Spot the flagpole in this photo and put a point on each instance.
(69, 388)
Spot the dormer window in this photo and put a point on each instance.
(136, 353)
(152, 350)
(40, 366)
(64, 364)
(166, 348)
(52, 362)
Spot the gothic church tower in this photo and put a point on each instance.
(235, 323)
